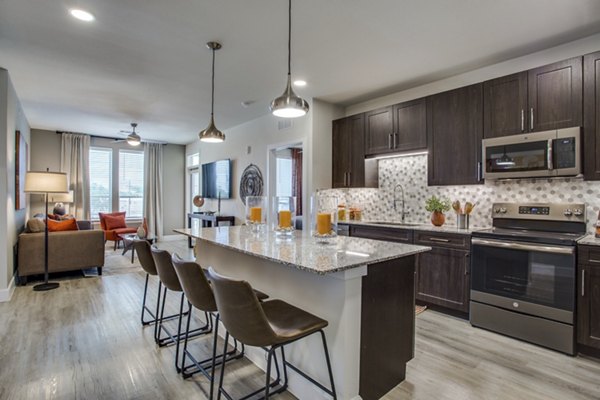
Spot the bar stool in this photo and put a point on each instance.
(200, 295)
(272, 324)
(168, 277)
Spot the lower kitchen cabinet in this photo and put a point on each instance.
(588, 297)
(443, 278)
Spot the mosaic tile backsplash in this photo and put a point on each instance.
(411, 173)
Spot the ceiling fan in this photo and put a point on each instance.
(133, 138)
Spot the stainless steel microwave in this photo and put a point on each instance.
(530, 155)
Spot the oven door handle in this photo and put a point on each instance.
(524, 246)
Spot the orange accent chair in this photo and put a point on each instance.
(111, 233)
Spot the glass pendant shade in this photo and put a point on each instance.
(289, 105)
(211, 134)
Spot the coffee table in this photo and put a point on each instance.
(129, 238)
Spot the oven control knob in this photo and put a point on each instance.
(578, 212)
(503, 210)
(568, 212)
(497, 210)
(516, 305)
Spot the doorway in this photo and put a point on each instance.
(285, 175)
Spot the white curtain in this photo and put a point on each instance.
(153, 199)
(75, 154)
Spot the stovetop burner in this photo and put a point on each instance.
(532, 236)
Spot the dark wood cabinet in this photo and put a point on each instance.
(443, 278)
(505, 105)
(379, 131)
(591, 116)
(454, 133)
(410, 125)
(588, 297)
(382, 233)
(555, 95)
(401, 127)
(348, 169)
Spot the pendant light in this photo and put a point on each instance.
(289, 105)
(211, 134)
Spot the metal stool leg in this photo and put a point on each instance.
(333, 392)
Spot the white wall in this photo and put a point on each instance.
(576, 48)
(262, 134)
(13, 221)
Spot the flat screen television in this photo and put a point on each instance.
(216, 180)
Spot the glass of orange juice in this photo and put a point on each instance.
(283, 209)
(256, 212)
(324, 217)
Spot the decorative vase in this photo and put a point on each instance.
(141, 232)
(256, 212)
(283, 212)
(438, 218)
(324, 217)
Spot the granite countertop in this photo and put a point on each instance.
(589, 240)
(304, 252)
(446, 228)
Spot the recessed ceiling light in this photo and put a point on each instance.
(300, 83)
(82, 15)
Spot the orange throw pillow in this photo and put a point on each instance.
(59, 226)
(114, 222)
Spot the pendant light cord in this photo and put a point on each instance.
(289, 36)
(212, 98)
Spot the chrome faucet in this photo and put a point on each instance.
(399, 186)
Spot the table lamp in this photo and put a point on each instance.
(59, 199)
(46, 183)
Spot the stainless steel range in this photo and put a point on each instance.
(523, 272)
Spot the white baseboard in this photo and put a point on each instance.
(6, 294)
(171, 238)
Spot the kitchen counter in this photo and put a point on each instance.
(446, 228)
(589, 240)
(304, 252)
(364, 288)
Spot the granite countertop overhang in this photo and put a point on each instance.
(304, 252)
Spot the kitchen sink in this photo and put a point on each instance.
(394, 223)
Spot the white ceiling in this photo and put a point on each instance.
(146, 60)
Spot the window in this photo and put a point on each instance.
(131, 183)
(284, 177)
(100, 181)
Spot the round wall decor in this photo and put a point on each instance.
(251, 183)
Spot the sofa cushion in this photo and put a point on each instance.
(121, 231)
(35, 225)
(115, 222)
(59, 226)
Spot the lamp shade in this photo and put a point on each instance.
(46, 182)
(62, 197)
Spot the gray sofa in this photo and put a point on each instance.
(67, 251)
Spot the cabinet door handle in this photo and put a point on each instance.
(349, 178)
(433, 239)
(531, 119)
(522, 120)
(345, 178)
(550, 157)
(478, 172)
(467, 264)
(583, 283)
(390, 140)
(395, 140)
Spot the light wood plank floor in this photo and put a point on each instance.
(84, 341)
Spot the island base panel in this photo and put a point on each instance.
(387, 326)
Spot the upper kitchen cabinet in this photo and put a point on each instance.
(555, 95)
(400, 127)
(410, 125)
(505, 105)
(454, 133)
(348, 156)
(379, 131)
(591, 116)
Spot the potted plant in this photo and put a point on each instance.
(436, 206)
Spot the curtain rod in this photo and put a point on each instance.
(107, 137)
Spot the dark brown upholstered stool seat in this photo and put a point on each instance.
(169, 279)
(271, 324)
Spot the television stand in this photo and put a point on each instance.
(208, 221)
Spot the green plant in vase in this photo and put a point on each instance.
(437, 206)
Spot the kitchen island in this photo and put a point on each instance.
(363, 287)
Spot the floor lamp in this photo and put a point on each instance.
(46, 182)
